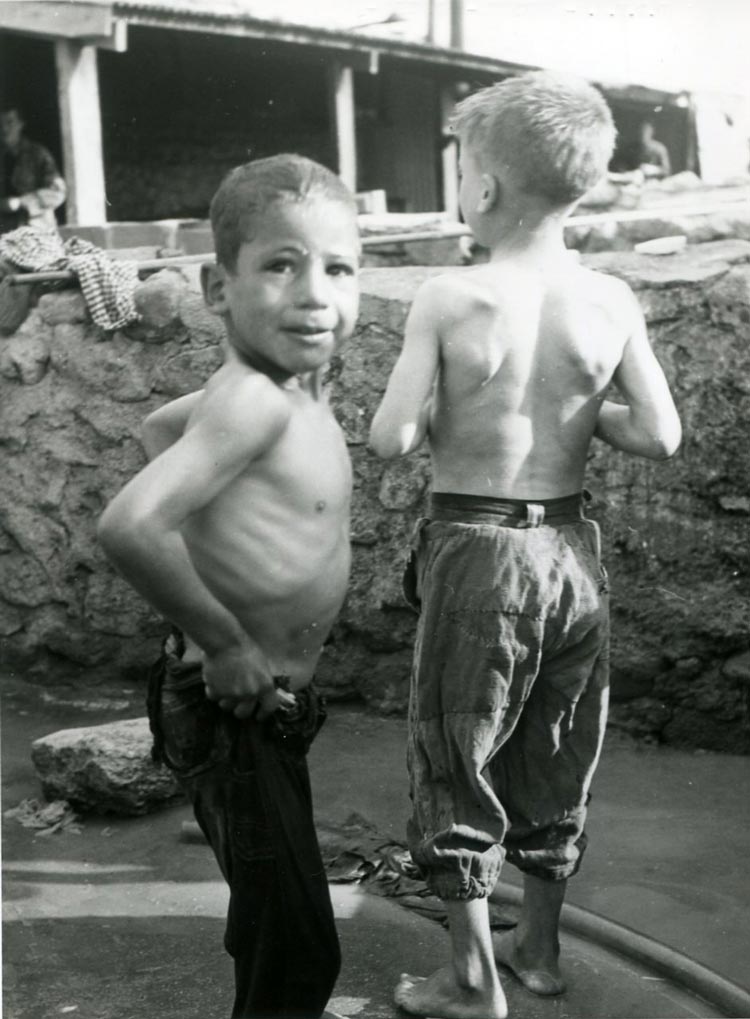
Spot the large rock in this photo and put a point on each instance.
(103, 769)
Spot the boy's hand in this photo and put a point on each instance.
(238, 674)
(260, 708)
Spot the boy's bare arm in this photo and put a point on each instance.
(140, 530)
(400, 423)
(647, 424)
(164, 426)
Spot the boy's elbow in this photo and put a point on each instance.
(119, 532)
(384, 448)
(110, 531)
(384, 443)
(391, 442)
(668, 442)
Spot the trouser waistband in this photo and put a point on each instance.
(458, 508)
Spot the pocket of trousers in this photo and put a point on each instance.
(410, 580)
(596, 535)
(188, 726)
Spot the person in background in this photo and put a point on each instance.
(32, 187)
(653, 157)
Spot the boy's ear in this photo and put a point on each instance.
(213, 284)
(489, 193)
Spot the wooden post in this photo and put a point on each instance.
(81, 123)
(448, 154)
(344, 122)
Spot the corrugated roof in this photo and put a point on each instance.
(232, 19)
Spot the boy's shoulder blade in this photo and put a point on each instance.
(606, 282)
(453, 294)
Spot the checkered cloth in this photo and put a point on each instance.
(107, 284)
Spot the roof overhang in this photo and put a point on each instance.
(105, 25)
(87, 23)
(361, 50)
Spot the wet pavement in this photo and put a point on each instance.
(124, 920)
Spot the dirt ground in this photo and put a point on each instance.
(124, 919)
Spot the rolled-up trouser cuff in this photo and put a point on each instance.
(460, 863)
(539, 862)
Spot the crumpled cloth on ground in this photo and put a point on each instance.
(354, 852)
(48, 818)
(107, 284)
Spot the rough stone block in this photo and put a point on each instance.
(114, 366)
(729, 300)
(403, 484)
(157, 300)
(634, 678)
(643, 717)
(63, 306)
(23, 580)
(25, 359)
(11, 620)
(739, 504)
(113, 607)
(104, 769)
(186, 371)
(738, 668)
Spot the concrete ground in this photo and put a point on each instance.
(124, 920)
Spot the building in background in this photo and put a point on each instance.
(148, 105)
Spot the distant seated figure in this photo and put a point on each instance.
(31, 187)
(653, 157)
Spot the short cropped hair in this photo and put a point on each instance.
(251, 188)
(554, 133)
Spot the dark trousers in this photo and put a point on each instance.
(250, 790)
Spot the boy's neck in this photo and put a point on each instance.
(309, 382)
(259, 364)
(538, 238)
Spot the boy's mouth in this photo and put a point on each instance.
(309, 332)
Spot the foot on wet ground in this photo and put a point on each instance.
(440, 996)
(540, 976)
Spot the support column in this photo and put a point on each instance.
(81, 123)
(448, 154)
(458, 21)
(344, 122)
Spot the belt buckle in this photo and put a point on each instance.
(534, 514)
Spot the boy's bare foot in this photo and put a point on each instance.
(442, 997)
(540, 975)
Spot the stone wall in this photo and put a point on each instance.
(676, 533)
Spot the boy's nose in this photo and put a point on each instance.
(313, 288)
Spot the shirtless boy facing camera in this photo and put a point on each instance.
(237, 531)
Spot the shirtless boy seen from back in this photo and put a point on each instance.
(505, 367)
(238, 532)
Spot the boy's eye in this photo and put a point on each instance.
(340, 269)
(280, 265)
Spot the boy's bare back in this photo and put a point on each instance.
(526, 356)
(506, 367)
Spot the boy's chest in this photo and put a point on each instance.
(311, 460)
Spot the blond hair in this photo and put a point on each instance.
(552, 132)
